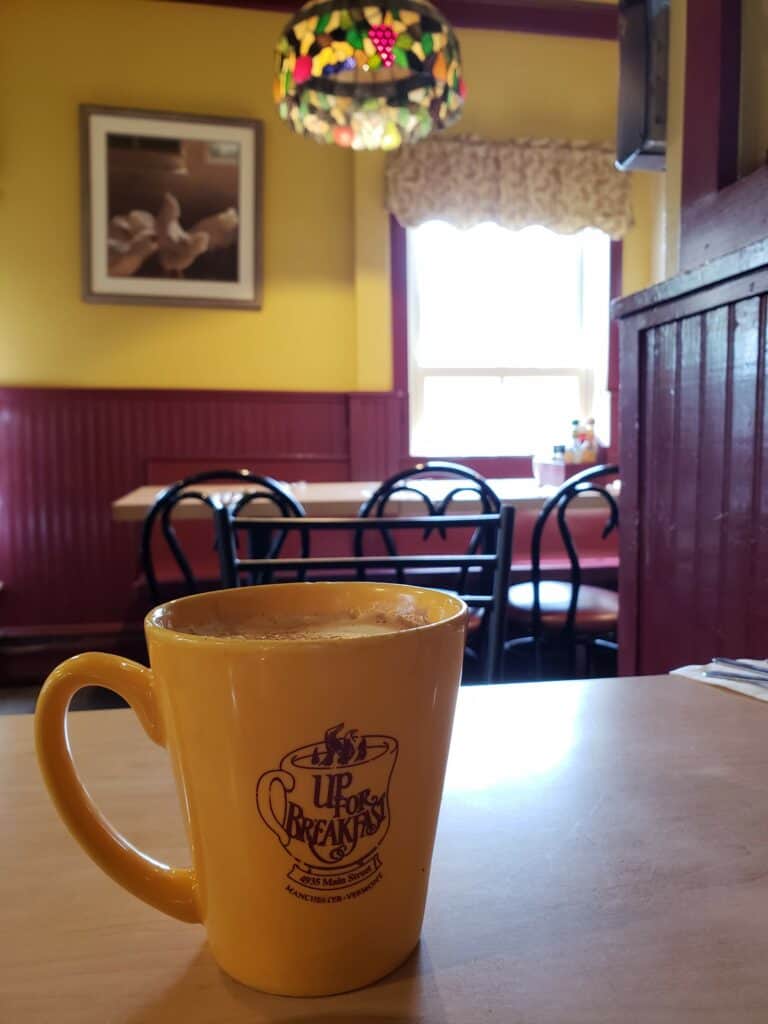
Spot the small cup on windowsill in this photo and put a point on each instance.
(554, 471)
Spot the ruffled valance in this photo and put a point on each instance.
(564, 186)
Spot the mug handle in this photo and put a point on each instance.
(264, 800)
(172, 890)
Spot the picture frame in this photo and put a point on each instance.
(171, 208)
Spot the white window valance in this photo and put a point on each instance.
(565, 186)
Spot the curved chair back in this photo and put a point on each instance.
(243, 488)
(407, 481)
(412, 481)
(558, 505)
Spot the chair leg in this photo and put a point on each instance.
(537, 658)
(571, 656)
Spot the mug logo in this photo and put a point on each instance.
(328, 805)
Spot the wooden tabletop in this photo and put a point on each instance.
(344, 498)
(601, 858)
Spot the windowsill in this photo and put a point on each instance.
(463, 458)
(497, 466)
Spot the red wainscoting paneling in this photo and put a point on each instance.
(65, 455)
(70, 574)
(378, 434)
(694, 460)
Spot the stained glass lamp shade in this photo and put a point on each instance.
(369, 76)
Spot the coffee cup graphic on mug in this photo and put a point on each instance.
(328, 805)
(309, 771)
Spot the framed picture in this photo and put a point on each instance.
(171, 208)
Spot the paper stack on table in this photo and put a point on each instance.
(749, 676)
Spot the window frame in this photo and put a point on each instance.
(403, 366)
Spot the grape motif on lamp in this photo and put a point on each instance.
(368, 76)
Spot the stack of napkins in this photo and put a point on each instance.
(749, 677)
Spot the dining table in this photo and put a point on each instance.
(601, 857)
(344, 498)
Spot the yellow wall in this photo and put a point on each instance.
(134, 53)
(326, 317)
(754, 86)
(671, 214)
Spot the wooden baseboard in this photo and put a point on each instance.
(29, 653)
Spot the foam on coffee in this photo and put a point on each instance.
(336, 626)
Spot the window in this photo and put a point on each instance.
(508, 338)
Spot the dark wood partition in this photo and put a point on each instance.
(694, 459)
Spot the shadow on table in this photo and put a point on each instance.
(206, 993)
(21, 700)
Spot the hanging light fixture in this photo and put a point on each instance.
(369, 76)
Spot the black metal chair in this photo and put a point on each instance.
(407, 482)
(412, 481)
(245, 487)
(489, 584)
(566, 612)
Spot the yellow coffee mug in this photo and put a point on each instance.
(309, 772)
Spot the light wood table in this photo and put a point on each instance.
(602, 858)
(344, 498)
